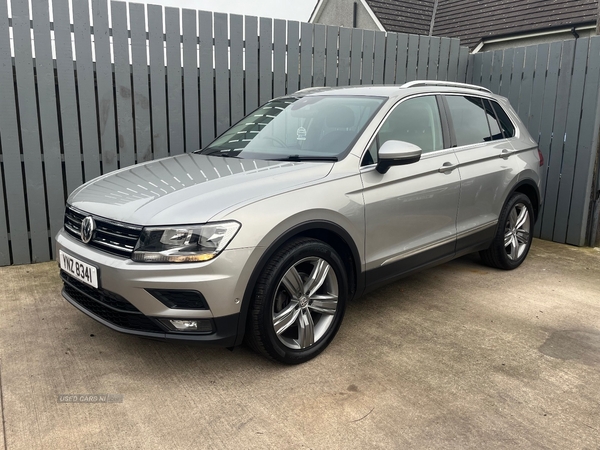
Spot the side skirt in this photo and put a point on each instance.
(465, 244)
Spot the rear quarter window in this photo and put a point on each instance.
(507, 126)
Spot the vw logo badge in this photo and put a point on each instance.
(87, 229)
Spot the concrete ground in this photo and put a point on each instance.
(459, 356)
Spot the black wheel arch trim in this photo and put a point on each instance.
(531, 184)
(270, 251)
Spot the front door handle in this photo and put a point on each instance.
(447, 167)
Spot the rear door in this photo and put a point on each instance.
(483, 149)
(410, 210)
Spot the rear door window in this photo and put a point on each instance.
(493, 122)
(469, 119)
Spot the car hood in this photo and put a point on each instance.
(190, 188)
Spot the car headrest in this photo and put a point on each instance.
(340, 117)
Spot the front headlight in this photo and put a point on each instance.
(192, 243)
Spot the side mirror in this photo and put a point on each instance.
(397, 153)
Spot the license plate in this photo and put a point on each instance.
(78, 269)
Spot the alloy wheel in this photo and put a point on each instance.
(305, 303)
(517, 231)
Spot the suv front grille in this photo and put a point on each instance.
(109, 306)
(110, 236)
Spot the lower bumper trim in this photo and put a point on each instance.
(225, 334)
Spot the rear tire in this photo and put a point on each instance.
(298, 302)
(514, 235)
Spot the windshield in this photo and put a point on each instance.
(308, 128)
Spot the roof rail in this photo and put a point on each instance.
(444, 83)
(312, 90)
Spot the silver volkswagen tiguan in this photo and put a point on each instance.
(312, 200)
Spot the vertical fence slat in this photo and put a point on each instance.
(104, 84)
(251, 59)
(4, 249)
(509, 55)
(367, 57)
(344, 58)
(379, 57)
(389, 77)
(486, 70)
(331, 62)
(444, 58)
(85, 89)
(236, 31)
(556, 148)
(293, 57)
(524, 102)
(156, 44)
(46, 87)
(569, 156)
(413, 53)
(207, 92)
(141, 101)
(454, 60)
(123, 84)
(537, 98)
(496, 71)
(174, 88)
(222, 72)
(423, 61)
(319, 56)
(475, 62)
(547, 119)
(306, 56)
(265, 59)
(356, 56)
(30, 134)
(434, 58)
(67, 94)
(402, 58)
(190, 80)
(9, 133)
(279, 30)
(586, 149)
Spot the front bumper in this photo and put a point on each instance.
(123, 302)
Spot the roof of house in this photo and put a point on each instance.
(404, 16)
(474, 20)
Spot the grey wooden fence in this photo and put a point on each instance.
(554, 88)
(168, 84)
(83, 98)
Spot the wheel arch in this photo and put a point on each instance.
(328, 232)
(531, 190)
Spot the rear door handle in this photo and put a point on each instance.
(505, 153)
(447, 167)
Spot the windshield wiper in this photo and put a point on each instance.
(218, 153)
(307, 158)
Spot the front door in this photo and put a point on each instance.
(411, 210)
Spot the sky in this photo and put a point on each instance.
(299, 10)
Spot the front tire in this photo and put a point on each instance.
(299, 302)
(514, 235)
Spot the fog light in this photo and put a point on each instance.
(185, 325)
(188, 325)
